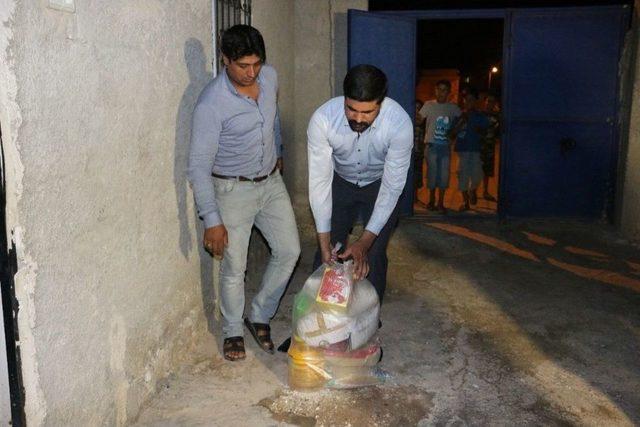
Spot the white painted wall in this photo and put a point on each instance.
(95, 107)
(630, 212)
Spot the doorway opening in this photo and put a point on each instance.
(467, 53)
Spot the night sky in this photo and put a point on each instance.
(470, 46)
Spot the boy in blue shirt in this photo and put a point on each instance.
(468, 133)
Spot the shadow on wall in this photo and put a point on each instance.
(196, 61)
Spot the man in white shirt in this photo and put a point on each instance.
(359, 148)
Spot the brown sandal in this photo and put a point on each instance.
(261, 332)
(234, 345)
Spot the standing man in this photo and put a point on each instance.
(359, 148)
(487, 152)
(468, 134)
(440, 115)
(418, 153)
(234, 168)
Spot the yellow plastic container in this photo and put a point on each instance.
(306, 366)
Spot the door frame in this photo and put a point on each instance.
(505, 14)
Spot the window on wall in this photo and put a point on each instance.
(227, 14)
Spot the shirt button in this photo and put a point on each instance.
(358, 162)
(358, 150)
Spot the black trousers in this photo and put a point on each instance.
(350, 203)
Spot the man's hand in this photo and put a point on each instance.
(215, 240)
(280, 164)
(358, 251)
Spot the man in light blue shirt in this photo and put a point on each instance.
(234, 169)
(359, 149)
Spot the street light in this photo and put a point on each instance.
(492, 71)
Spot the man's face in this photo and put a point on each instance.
(442, 93)
(243, 71)
(360, 114)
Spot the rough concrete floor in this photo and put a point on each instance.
(484, 324)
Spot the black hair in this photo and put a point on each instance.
(242, 40)
(365, 83)
(446, 83)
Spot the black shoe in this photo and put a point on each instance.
(284, 347)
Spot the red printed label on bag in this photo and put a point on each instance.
(335, 288)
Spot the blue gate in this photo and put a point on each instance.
(560, 98)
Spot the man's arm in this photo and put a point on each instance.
(422, 113)
(277, 135)
(319, 154)
(394, 177)
(205, 133)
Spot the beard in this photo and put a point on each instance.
(358, 127)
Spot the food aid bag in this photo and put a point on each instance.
(334, 343)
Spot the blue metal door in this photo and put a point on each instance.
(388, 42)
(560, 145)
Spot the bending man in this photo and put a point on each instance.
(359, 148)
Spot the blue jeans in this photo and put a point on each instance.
(438, 161)
(266, 205)
(469, 170)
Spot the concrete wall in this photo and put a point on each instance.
(95, 109)
(320, 58)
(307, 43)
(630, 157)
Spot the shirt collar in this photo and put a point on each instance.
(230, 85)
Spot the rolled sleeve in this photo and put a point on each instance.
(205, 134)
(319, 153)
(394, 177)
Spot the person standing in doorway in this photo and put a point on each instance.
(418, 153)
(440, 116)
(234, 168)
(468, 134)
(359, 149)
(489, 142)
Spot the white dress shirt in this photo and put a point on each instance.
(381, 151)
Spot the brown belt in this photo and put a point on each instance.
(244, 178)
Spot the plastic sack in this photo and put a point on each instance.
(335, 346)
(318, 325)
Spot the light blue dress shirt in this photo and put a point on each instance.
(232, 135)
(381, 151)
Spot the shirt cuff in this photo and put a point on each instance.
(374, 227)
(211, 220)
(323, 226)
